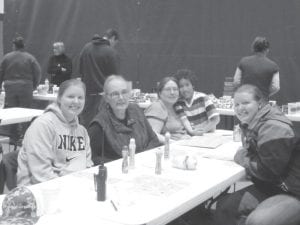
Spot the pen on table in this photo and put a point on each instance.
(227, 134)
(113, 204)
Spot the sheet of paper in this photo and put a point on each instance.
(205, 141)
(224, 152)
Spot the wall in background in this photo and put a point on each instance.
(160, 36)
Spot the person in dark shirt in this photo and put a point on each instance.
(59, 65)
(258, 69)
(98, 60)
(21, 73)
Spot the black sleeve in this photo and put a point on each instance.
(36, 73)
(153, 139)
(52, 66)
(96, 133)
(113, 62)
(68, 66)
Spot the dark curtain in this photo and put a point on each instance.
(160, 36)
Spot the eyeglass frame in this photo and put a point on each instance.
(117, 94)
(169, 89)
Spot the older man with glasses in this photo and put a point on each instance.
(117, 122)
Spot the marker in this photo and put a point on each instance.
(113, 204)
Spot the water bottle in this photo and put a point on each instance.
(132, 148)
(125, 159)
(47, 85)
(2, 97)
(158, 166)
(167, 145)
(100, 183)
(236, 133)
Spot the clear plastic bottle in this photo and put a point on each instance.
(132, 148)
(2, 99)
(237, 133)
(167, 145)
(2, 96)
(47, 85)
(158, 166)
(125, 159)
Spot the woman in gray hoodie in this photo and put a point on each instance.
(56, 144)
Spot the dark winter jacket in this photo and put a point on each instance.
(118, 133)
(60, 68)
(20, 66)
(97, 61)
(273, 152)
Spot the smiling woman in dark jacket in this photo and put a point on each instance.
(271, 157)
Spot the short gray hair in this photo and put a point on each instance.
(59, 44)
(111, 78)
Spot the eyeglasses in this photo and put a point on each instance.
(116, 94)
(171, 89)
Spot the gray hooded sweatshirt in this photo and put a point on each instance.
(52, 147)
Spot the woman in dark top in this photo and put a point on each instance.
(117, 121)
(59, 65)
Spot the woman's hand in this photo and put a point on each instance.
(241, 156)
(198, 132)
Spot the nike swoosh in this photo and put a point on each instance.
(68, 159)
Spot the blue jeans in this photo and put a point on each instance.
(250, 206)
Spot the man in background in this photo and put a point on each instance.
(59, 65)
(98, 60)
(21, 74)
(258, 69)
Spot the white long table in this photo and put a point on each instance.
(18, 115)
(37, 96)
(230, 112)
(141, 196)
(225, 112)
(46, 97)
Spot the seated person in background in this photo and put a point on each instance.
(161, 114)
(59, 65)
(117, 121)
(55, 144)
(195, 109)
(271, 158)
(258, 69)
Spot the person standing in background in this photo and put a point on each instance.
(98, 60)
(258, 69)
(59, 65)
(21, 74)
